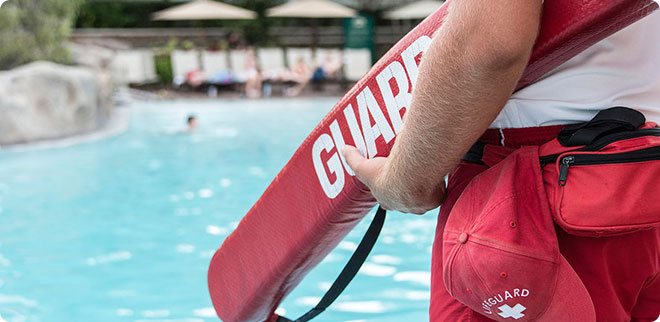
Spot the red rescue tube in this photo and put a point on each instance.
(315, 200)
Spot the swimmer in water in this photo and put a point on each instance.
(192, 123)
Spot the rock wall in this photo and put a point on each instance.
(43, 100)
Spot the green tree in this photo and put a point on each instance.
(121, 14)
(35, 30)
(255, 30)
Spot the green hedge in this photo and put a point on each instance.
(164, 68)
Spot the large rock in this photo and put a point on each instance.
(42, 101)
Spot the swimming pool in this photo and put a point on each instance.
(123, 229)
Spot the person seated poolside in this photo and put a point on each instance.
(301, 74)
(251, 75)
(195, 78)
(329, 69)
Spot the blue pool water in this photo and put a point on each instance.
(123, 229)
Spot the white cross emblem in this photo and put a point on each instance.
(511, 312)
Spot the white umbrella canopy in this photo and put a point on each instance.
(312, 9)
(414, 10)
(204, 10)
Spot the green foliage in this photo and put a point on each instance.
(254, 30)
(164, 68)
(163, 62)
(118, 14)
(35, 30)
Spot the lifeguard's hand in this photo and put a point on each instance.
(391, 192)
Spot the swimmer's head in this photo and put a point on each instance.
(192, 122)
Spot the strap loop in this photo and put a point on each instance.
(612, 120)
(350, 270)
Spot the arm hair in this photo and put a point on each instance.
(466, 76)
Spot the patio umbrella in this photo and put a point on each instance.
(314, 9)
(311, 9)
(414, 10)
(204, 10)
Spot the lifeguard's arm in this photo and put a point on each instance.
(466, 76)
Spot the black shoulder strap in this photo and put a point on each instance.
(612, 120)
(350, 270)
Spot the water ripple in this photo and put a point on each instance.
(215, 230)
(419, 277)
(347, 245)
(171, 320)
(124, 312)
(155, 313)
(109, 258)
(386, 259)
(17, 299)
(207, 312)
(4, 262)
(225, 183)
(205, 193)
(361, 307)
(377, 270)
(185, 248)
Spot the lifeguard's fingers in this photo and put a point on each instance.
(357, 162)
(352, 156)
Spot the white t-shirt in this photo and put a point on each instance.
(622, 70)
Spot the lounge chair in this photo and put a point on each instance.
(271, 61)
(215, 65)
(184, 62)
(323, 53)
(294, 54)
(136, 67)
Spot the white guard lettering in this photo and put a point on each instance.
(419, 46)
(339, 143)
(367, 105)
(402, 100)
(324, 142)
(503, 297)
(356, 133)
